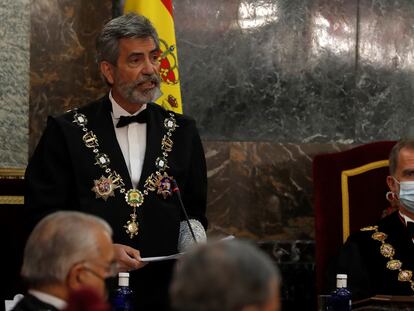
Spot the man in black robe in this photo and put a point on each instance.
(121, 157)
(379, 259)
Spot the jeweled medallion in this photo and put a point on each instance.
(103, 188)
(170, 124)
(80, 119)
(387, 250)
(164, 185)
(132, 226)
(394, 264)
(379, 236)
(134, 197)
(102, 160)
(369, 228)
(161, 163)
(405, 275)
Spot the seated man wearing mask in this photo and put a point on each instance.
(379, 259)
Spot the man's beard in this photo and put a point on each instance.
(130, 92)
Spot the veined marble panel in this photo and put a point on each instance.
(14, 81)
(262, 191)
(297, 71)
(64, 73)
(272, 70)
(385, 73)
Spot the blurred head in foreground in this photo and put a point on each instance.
(226, 276)
(67, 251)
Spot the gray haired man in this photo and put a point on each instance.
(226, 276)
(65, 252)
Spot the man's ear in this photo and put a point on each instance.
(107, 71)
(392, 184)
(74, 277)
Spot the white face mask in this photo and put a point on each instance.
(407, 194)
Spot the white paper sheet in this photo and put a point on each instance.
(175, 256)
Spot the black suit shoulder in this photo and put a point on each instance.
(31, 303)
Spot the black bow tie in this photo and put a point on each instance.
(140, 118)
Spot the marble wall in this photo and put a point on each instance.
(295, 71)
(14, 81)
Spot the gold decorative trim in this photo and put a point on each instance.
(12, 199)
(388, 251)
(12, 173)
(345, 193)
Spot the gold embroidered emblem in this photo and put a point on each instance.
(90, 140)
(369, 228)
(394, 264)
(379, 236)
(387, 250)
(405, 275)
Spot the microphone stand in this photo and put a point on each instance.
(177, 191)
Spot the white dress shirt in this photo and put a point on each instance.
(132, 139)
(406, 219)
(49, 299)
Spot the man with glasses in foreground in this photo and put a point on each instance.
(66, 252)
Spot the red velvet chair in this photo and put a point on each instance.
(349, 193)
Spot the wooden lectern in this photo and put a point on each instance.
(384, 303)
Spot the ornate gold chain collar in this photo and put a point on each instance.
(388, 251)
(105, 186)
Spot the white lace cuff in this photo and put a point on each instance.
(185, 239)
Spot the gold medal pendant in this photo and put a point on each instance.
(134, 198)
(132, 226)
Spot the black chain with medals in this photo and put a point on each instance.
(105, 186)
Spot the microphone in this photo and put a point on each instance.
(177, 191)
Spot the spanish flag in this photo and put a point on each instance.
(160, 13)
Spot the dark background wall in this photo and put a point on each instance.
(271, 83)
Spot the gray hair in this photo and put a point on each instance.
(59, 241)
(395, 152)
(223, 276)
(130, 25)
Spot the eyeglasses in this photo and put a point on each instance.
(111, 269)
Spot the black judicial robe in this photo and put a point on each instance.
(366, 267)
(61, 174)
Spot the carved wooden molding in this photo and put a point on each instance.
(12, 173)
(11, 199)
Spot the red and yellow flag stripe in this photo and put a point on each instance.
(160, 13)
